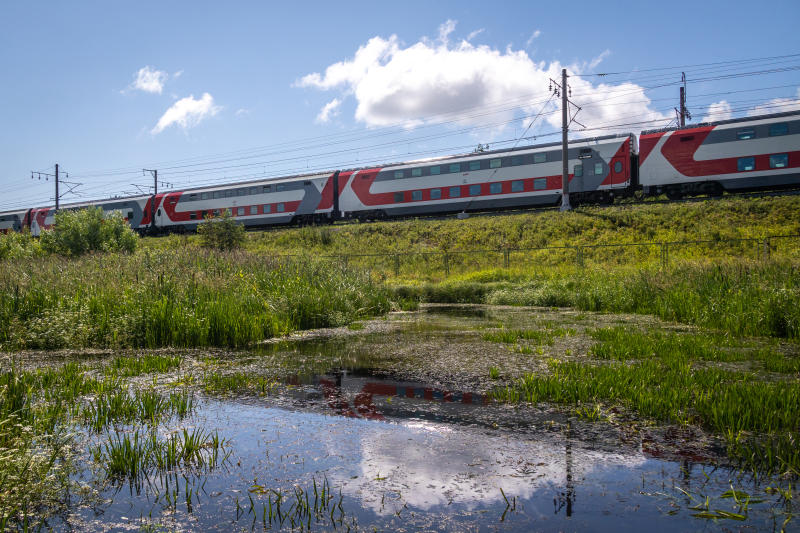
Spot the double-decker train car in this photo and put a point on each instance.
(740, 154)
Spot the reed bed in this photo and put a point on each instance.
(176, 298)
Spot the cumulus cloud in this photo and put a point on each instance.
(718, 111)
(777, 105)
(150, 80)
(186, 113)
(331, 109)
(420, 83)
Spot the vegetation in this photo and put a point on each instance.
(87, 230)
(179, 298)
(221, 233)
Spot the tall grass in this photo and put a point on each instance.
(176, 298)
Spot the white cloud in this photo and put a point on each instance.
(331, 109)
(718, 111)
(534, 35)
(187, 112)
(412, 85)
(242, 111)
(474, 34)
(599, 59)
(150, 80)
(777, 105)
(177, 74)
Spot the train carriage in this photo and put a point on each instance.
(14, 220)
(739, 154)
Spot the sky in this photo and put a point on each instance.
(215, 92)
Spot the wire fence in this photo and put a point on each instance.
(663, 254)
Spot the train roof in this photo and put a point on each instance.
(721, 122)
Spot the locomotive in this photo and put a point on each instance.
(752, 153)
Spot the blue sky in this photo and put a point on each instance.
(210, 92)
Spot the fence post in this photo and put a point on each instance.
(579, 255)
(446, 265)
(664, 255)
(397, 264)
(766, 249)
(506, 258)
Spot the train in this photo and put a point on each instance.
(743, 154)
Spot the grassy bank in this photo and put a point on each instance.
(175, 298)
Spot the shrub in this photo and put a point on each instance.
(223, 233)
(88, 230)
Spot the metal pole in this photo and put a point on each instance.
(56, 186)
(564, 151)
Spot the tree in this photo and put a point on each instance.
(223, 233)
(89, 230)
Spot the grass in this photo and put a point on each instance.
(238, 382)
(538, 336)
(120, 406)
(138, 365)
(177, 298)
(667, 377)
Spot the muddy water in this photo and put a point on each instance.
(396, 420)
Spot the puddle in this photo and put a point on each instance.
(400, 453)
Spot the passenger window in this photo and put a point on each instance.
(228, 194)
(455, 167)
(516, 160)
(746, 163)
(539, 184)
(454, 192)
(474, 165)
(743, 135)
(517, 186)
(416, 196)
(618, 167)
(778, 129)
(779, 161)
(598, 169)
(217, 195)
(216, 212)
(416, 172)
(266, 208)
(494, 163)
(436, 170)
(242, 192)
(253, 209)
(280, 208)
(398, 197)
(266, 188)
(436, 194)
(280, 187)
(578, 171)
(253, 190)
(475, 190)
(539, 158)
(398, 174)
(240, 211)
(495, 188)
(192, 215)
(204, 196)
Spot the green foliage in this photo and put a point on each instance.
(18, 246)
(88, 230)
(221, 233)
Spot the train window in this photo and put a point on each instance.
(778, 129)
(416, 172)
(539, 184)
(204, 196)
(280, 187)
(203, 214)
(474, 165)
(228, 194)
(130, 215)
(455, 167)
(240, 211)
(280, 208)
(266, 208)
(253, 209)
(779, 161)
(192, 215)
(216, 212)
(436, 194)
(192, 196)
(266, 188)
(516, 160)
(253, 190)
(307, 182)
(495, 188)
(436, 170)
(229, 212)
(475, 190)
(494, 163)
(517, 186)
(217, 194)
(618, 167)
(398, 174)
(743, 135)
(454, 192)
(416, 195)
(241, 192)
(598, 169)
(158, 213)
(585, 153)
(398, 197)
(578, 171)
(539, 158)
(687, 138)
(746, 163)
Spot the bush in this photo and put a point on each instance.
(89, 230)
(223, 233)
